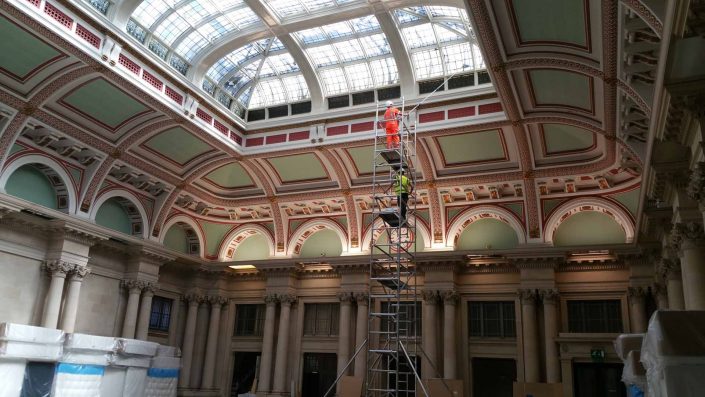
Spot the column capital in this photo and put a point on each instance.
(450, 297)
(527, 296)
(271, 299)
(287, 299)
(696, 184)
(133, 285)
(57, 267)
(430, 296)
(217, 300)
(345, 297)
(193, 297)
(150, 288)
(669, 268)
(362, 298)
(549, 295)
(79, 272)
(659, 289)
(687, 235)
(637, 292)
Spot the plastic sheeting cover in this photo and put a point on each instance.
(30, 350)
(135, 382)
(168, 351)
(28, 333)
(38, 379)
(626, 343)
(73, 380)
(91, 342)
(132, 346)
(633, 372)
(11, 377)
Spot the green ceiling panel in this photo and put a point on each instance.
(230, 176)
(367, 219)
(517, 208)
(214, 233)
(22, 52)
(566, 138)
(270, 226)
(472, 147)
(298, 168)
(178, 145)
(549, 205)
(104, 102)
(16, 148)
(293, 225)
(487, 234)
(30, 184)
(589, 228)
(552, 87)
(567, 21)
(75, 174)
(253, 248)
(324, 243)
(113, 216)
(343, 220)
(453, 212)
(629, 199)
(177, 239)
(424, 215)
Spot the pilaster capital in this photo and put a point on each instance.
(687, 235)
(450, 297)
(271, 299)
(659, 289)
(527, 296)
(345, 297)
(696, 184)
(217, 300)
(57, 268)
(134, 286)
(287, 299)
(150, 288)
(430, 296)
(362, 298)
(669, 268)
(549, 295)
(636, 293)
(193, 298)
(79, 272)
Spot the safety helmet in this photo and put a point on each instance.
(390, 103)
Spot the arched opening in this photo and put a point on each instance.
(487, 233)
(252, 248)
(182, 238)
(321, 243)
(39, 184)
(120, 214)
(589, 228)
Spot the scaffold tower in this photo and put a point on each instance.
(394, 315)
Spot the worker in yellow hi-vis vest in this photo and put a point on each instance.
(402, 186)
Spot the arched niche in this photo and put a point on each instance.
(503, 234)
(421, 234)
(121, 211)
(589, 221)
(39, 180)
(182, 234)
(333, 242)
(248, 242)
(486, 234)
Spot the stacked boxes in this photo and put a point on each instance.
(163, 375)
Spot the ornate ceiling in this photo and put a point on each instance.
(548, 139)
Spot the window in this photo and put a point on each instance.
(249, 320)
(603, 316)
(321, 319)
(161, 314)
(492, 319)
(408, 328)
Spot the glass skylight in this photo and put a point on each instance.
(291, 8)
(350, 56)
(440, 41)
(261, 73)
(182, 28)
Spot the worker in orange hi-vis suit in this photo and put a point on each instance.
(391, 118)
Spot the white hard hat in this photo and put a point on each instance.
(389, 103)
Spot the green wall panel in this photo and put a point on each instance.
(176, 239)
(589, 228)
(487, 234)
(30, 184)
(113, 216)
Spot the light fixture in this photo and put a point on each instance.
(242, 267)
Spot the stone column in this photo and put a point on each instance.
(192, 301)
(265, 365)
(145, 311)
(530, 335)
(689, 237)
(550, 320)
(68, 317)
(670, 269)
(637, 309)
(429, 364)
(344, 331)
(361, 332)
(134, 288)
(659, 290)
(280, 364)
(57, 270)
(212, 344)
(450, 347)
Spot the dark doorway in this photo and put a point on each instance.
(598, 380)
(319, 373)
(407, 379)
(493, 377)
(244, 369)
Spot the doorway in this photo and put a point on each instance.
(598, 380)
(244, 369)
(493, 377)
(319, 373)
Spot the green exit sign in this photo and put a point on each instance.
(597, 355)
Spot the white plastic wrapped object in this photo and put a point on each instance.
(28, 333)
(135, 382)
(673, 354)
(125, 360)
(11, 377)
(140, 347)
(626, 343)
(73, 380)
(165, 362)
(113, 382)
(162, 382)
(168, 351)
(85, 357)
(90, 342)
(30, 350)
(633, 372)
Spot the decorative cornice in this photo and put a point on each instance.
(591, 266)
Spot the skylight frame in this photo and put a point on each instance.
(295, 9)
